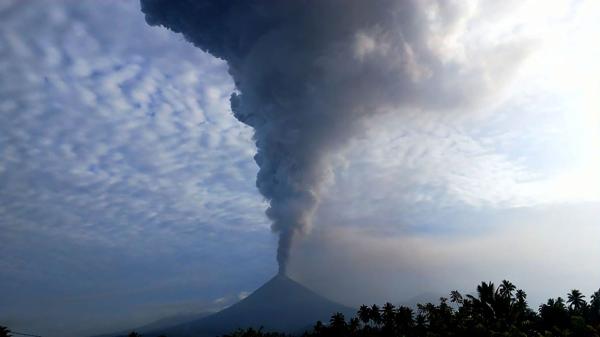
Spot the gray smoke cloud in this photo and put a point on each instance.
(309, 74)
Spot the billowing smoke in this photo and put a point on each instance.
(310, 73)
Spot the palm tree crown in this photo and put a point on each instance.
(576, 301)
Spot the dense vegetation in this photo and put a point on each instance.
(501, 311)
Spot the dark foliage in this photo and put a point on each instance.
(4, 332)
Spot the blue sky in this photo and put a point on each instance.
(127, 188)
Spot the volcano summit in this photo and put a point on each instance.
(281, 304)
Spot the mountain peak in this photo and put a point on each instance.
(279, 277)
(281, 304)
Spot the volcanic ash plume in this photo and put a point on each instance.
(310, 73)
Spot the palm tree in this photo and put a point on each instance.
(364, 313)
(596, 297)
(375, 314)
(506, 289)
(519, 309)
(486, 292)
(404, 317)
(388, 311)
(388, 315)
(521, 296)
(595, 306)
(338, 323)
(576, 300)
(456, 297)
(486, 300)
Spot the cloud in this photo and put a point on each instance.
(119, 134)
(219, 300)
(243, 294)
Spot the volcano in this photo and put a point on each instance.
(281, 305)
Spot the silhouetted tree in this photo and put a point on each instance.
(388, 318)
(337, 324)
(134, 334)
(576, 301)
(456, 297)
(520, 297)
(364, 314)
(595, 307)
(404, 318)
(506, 289)
(375, 315)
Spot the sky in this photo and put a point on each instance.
(128, 188)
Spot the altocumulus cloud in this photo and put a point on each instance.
(114, 126)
